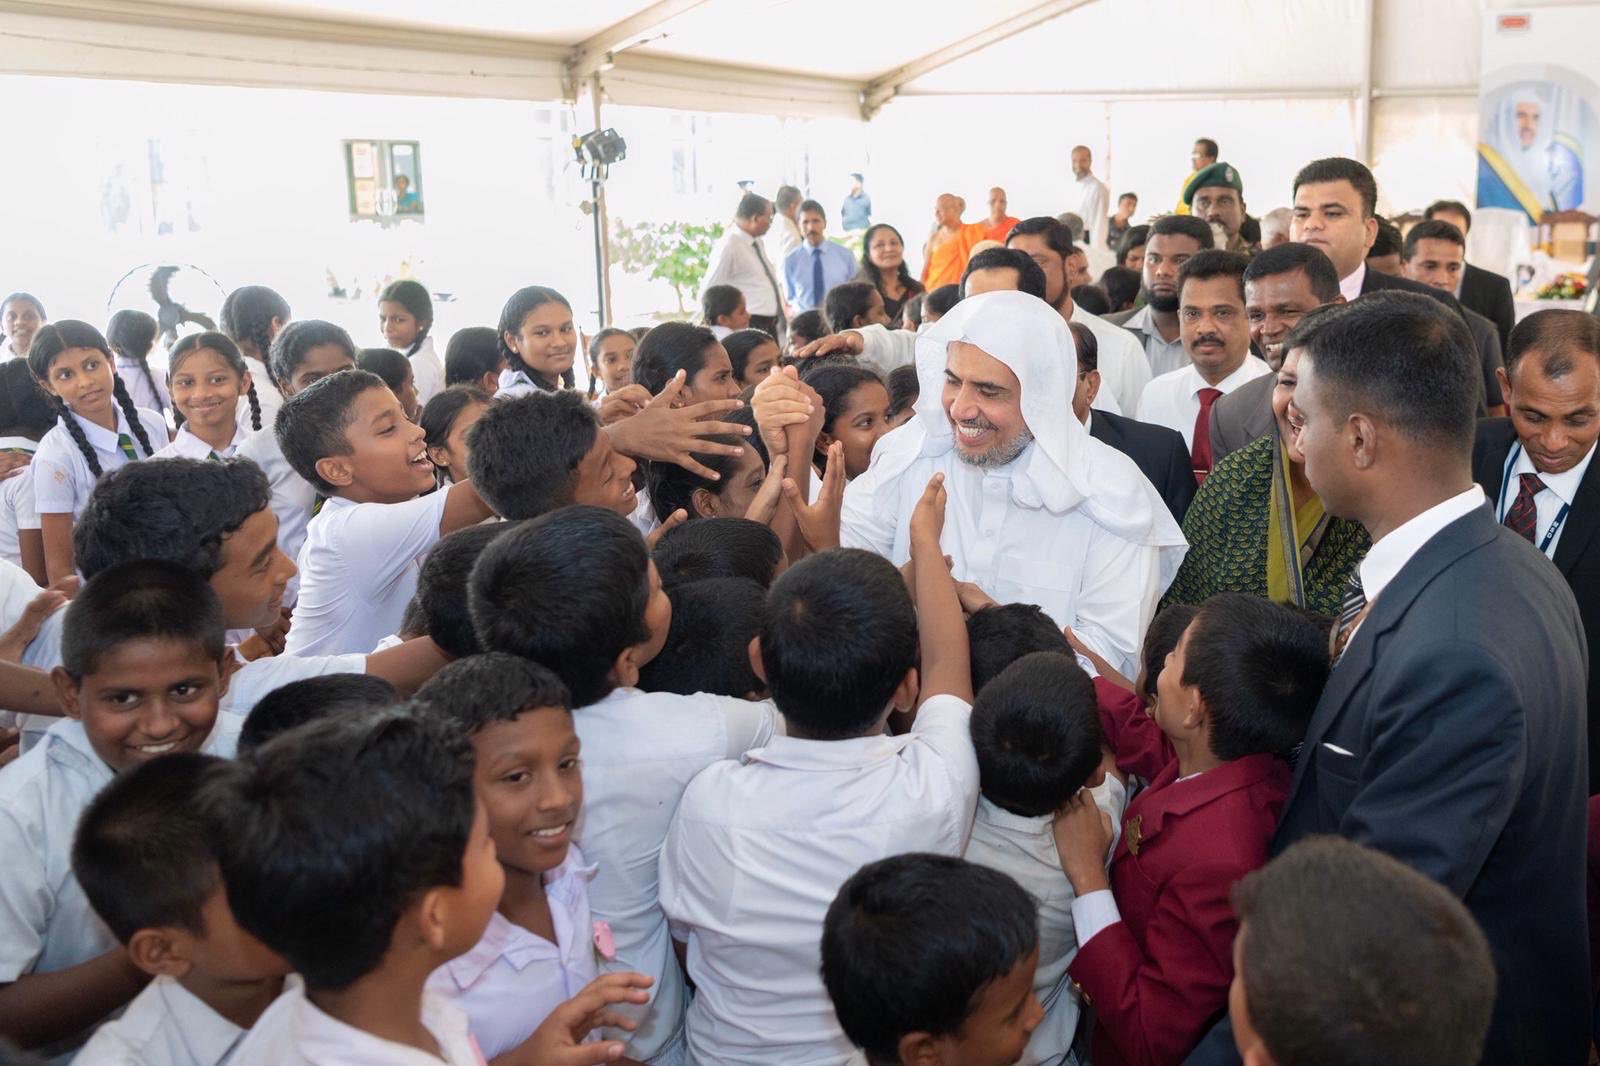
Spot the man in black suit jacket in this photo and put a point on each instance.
(1484, 291)
(1450, 734)
(1157, 451)
(1553, 380)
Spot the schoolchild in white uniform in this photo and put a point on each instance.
(26, 415)
(132, 334)
(21, 315)
(538, 342)
(405, 314)
(252, 316)
(209, 378)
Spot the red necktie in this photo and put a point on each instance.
(1520, 519)
(1200, 453)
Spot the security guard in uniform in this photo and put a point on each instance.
(1216, 195)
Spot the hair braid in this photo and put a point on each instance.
(144, 365)
(417, 344)
(255, 407)
(132, 414)
(261, 336)
(78, 436)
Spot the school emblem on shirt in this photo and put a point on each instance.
(60, 475)
(1132, 833)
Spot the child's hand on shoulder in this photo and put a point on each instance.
(927, 518)
(1083, 834)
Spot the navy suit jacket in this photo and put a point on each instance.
(1461, 703)
(1156, 450)
(1489, 294)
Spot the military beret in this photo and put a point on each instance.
(1218, 173)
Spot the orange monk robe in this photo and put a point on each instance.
(999, 231)
(946, 263)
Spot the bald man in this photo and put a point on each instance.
(944, 258)
(1000, 223)
(1092, 199)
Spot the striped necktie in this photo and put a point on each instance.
(1352, 609)
(125, 443)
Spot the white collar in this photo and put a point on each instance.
(103, 439)
(207, 1035)
(1564, 485)
(1250, 369)
(18, 444)
(1350, 287)
(1390, 555)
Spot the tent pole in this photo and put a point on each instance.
(1369, 30)
(602, 224)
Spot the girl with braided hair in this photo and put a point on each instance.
(132, 334)
(251, 317)
(99, 429)
(405, 314)
(209, 379)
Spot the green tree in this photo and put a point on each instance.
(678, 253)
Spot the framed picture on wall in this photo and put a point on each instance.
(384, 180)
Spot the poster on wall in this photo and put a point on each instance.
(1539, 111)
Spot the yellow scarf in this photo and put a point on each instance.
(1285, 523)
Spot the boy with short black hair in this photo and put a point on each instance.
(349, 437)
(708, 645)
(357, 850)
(1037, 735)
(759, 846)
(931, 959)
(1001, 634)
(1407, 975)
(532, 454)
(141, 676)
(443, 608)
(719, 547)
(1127, 708)
(309, 700)
(1155, 957)
(539, 944)
(143, 857)
(588, 568)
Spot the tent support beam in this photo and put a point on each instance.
(885, 87)
(1369, 32)
(595, 54)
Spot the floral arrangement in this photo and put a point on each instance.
(1564, 287)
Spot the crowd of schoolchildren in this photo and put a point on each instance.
(408, 709)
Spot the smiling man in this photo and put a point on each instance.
(1537, 466)
(1039, 512)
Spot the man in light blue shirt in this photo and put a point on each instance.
(857, 211)
(818, 264)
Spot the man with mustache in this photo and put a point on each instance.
(1216, 335)
(1039, 512)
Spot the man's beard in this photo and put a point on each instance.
(1000, 454)
(1165, 304)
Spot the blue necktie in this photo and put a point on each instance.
(816, 275)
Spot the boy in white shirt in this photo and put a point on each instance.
(141, 676)
(349, 437)
(539, 948)
(601, 615)
(142, 857)
(759, 848)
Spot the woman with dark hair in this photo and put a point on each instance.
(883, 264)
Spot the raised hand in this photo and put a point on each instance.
(818, 522)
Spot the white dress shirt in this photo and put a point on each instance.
(1173, 399)
(62, 479)
(1389, 556)
(165, 1025)
(758, 851)
(186, 445)
(783, 238)
(1350, 287)
(358, 571)
(1081, 574)
(139, 387)
(294, 1032)
(292, 495)
(16, 501)
(1024, 848)
(1094, 207)
(427, 371)
(739, 259)
(511, 981)
(267, 395)
(640, 751)
(1559, 491)
(1124, 370)
(1164, 356)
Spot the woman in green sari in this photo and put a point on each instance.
(1254, 507)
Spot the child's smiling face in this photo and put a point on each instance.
(145, 698)
(387, 460)
(531, 784)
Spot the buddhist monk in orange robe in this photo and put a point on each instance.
(948, 248)
(1000, 223)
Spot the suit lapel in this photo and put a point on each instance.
(1580, 524)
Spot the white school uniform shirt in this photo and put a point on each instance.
(186, 445)
(16, 501)
(427, 371)
(1173, 399)
(1024, 848)
(267, 396)
(17, 590)
(295, 1032)
(165, 1025)
(358, 570)
(46, 923)
(740, 260)
(516, 381)
(511, 981)
(1559, 491)
(62, 479)
(758, 850)
(292, 495)
(640, 751)
(139, 388)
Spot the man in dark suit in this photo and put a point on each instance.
(1434, 253)
(1484, 291)
(1281, 285)
(1552, 378)
(1451, 731)
(1159, 452)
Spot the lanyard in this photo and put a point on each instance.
(1505, 502)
